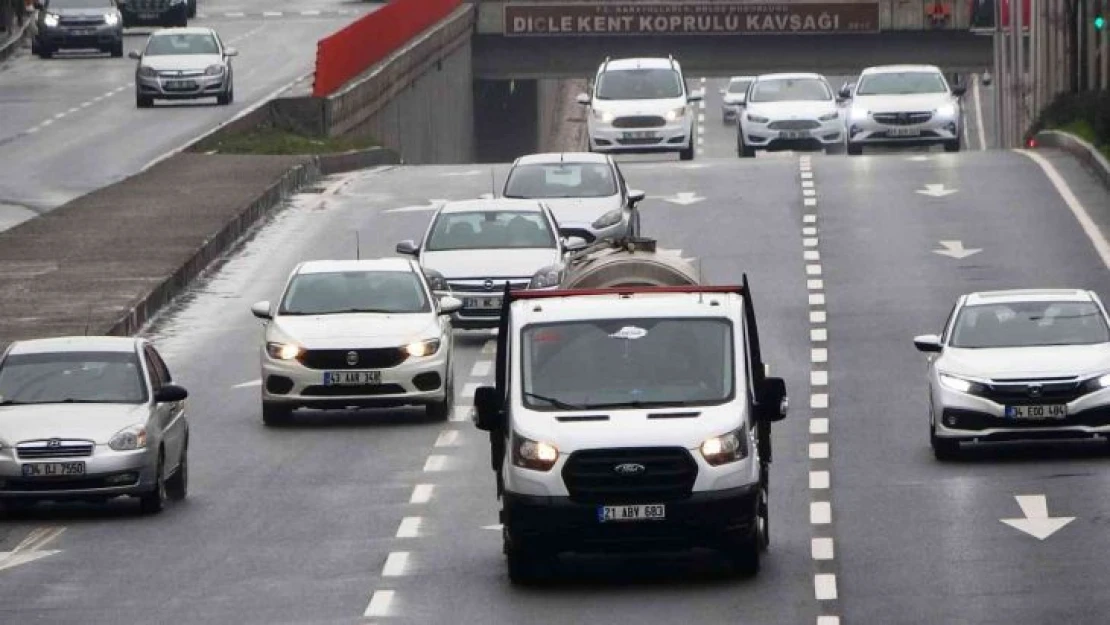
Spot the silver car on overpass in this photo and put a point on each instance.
(1019, 364)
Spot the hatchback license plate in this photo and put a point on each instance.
(352, 378)
(640, 512)
(53, 469)
(485, 303)
(1050, 411)
(794, 134)
(81, 32)
(904, 132)
(181, 84)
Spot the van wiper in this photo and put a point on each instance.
(635, 403)
(558, 403)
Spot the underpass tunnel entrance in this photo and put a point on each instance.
(506, 119)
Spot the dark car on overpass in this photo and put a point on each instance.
(157, 12)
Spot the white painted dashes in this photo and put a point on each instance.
(818, 451)
(380, 603)
(410, 527)
(820, 513)
(819, 400)
(396, 564)
(819, 480)
(422, 493)
(818, 378)
(448, 438)
(815, 285)
(818, 335)
(435, 463)
(822, 548)
(481, 369)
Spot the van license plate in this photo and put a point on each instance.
(641, 512)
(53, 469)
(1050, 411)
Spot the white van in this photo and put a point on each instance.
(630, 418)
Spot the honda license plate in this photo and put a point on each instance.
(53, 469)
(1049, 411)
(352, 378)
(639, 512)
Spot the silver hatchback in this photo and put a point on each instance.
(91, 418)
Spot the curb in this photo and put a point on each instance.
(9, 48)
(145, 309)
(1080, 149)
(356, 159)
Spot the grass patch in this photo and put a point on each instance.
(1085, 115)
(275, 141)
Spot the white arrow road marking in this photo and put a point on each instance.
(956, 249)
(1037, 523)
(249, 384)
(685, 199)
(430, 206)
(31, 548)
(936, 190)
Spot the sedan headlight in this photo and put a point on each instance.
(214, 70)
(604, 117)
(726, 448)
(422, 348)
(50, 20)
(129, 439)
(111, 19)
(283, 351)
(828, 117)
(436, 280)
(610, 218)
(946, 110)
(676, 114)
(1097, 384)
(147, 72)
(961, 385)
(547, 277)
(757, 119)
(859, 114)
(535, 455)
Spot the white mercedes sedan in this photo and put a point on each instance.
(1019, 365)
(356, 334)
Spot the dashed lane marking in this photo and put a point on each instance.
(410, 527)
(470, 389)
(461, 413)
(447, 438)
(818, 451)
(396, 564)
(825, 586)
(820, 513)
(481, 369)
(435, 463)
(422, 493)
(380, 603)
(819, 480)
(822, 548)
(818, 378)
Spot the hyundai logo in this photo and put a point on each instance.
(54, 442)
(488, 284)
(629, 469)
(1034, 390)
(352, 358)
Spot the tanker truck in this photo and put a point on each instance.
(626, 262)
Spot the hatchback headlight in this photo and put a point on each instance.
(726, 448)
(214, 70)
(422, 348)
(828, 117)
(757, 119)
(50, 20)
(676, 114)
(961, 385)
(129, 439)
(283, 351)
(111, 19)
(604, 117)
(547, 277)
(535, 455)
(610, 218)
(147, 72)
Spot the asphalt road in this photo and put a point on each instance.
(69, 125)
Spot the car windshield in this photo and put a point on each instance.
(337, 292)
(627, 362)
(639, 84)
(183, 43)
(790, 90)
(559, 180)
(481, 230)
(1029, 324)
(901, 83)
(77, 377)
(79, 4)
(738, 86)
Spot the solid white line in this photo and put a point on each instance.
(435, 463)
(310, 12)
(481, 369)
(819, 480)
(1077, 209)
(395, 564)
(809, 232)
(819, 426)
(809, 201)
(816, 299)
(815, 285)
(822, 548)
(813, 270)
(818, 335)
(811, 255)
(470, 389)
(819, 400)
(410, 527)
(820, 513)
(818, 378)
(809, 241)
(810, 219)
(379, 603)
(982, 132)
(447, 438)
(824, 586)
(819, 354)
(422, 493)
(817, 316)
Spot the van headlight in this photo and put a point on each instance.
(111, 19)
(129, 439)
(726, 448)
(676, 114)
(547, 277)
(50, 20)
(283, 351)
(605, 117)
(422, 348)
(961, 385)
(535, 455)
(610, 218)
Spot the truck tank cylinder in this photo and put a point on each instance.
(618, 267)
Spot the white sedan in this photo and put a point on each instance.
(790, 112)
(356, 333)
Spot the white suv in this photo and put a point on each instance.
(641, 105)
(624, 416)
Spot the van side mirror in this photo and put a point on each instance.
(170, 393)
(487, 409)
(231, 52)
(773, 402)
(573, 244)
(408, 247)
(927, 343)
(583, 98)
(262, 310)
(135, 54)
(635, 196)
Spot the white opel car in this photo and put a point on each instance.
(356, 333)
(790, 112)
(1019, 364)
(903, 105)
(641, 105)
(732, 97)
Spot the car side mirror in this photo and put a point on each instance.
(635, 197)
(449, 304)
(986, 79)
(845, 93)
(408, 247)
(170, 393)
(231, 52)
(573, 244)
(135, 54)
(487, 409)
(262, 310)
(927, 343)
(959, 90)
(773, 402)
(696, 96)
(583, 98)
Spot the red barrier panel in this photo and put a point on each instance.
(349, 52)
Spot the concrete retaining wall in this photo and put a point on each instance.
(562, 120)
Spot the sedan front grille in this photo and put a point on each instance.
(1033, 392)
(903, 119)
(54, 448)
(639, 121)
(378, 358)
(173, 74)
(794, 124)
(668, 475)
(352, 391)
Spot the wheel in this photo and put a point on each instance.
(952, 146)
(16, 506)
(855, 150)
(224, 98)
(744, 554)
(177, 487)
(117, 49)
(155, 500)
(45, 52)
(143, 101)
(943, 448)
(192, 8)
(836, 148)
(34, 45)
(742, 150)
(687, 154)
(276, 414)
(441, 410)
(231, 92)
(763, 518)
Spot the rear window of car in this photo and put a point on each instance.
(561, 180)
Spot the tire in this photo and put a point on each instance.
(11, 507)
(117, 49)
(441, 410)
(143, 101)
(45, 52)
(687, 154)
(224, 98)
(274, 414)
(192, 8)
(154, 501)
(763, 517)
(744, 556)
(944, 449)
(34, 45)
(854, 149)
(742, 150)
(177, 487)
(952, 146)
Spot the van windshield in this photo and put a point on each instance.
(639, 84)
(611, 363)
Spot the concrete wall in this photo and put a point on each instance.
(562, 121)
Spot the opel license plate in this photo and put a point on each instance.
(352, 378)
(904, 132)
(181, 84)
(639, 512)
(148, 16)
(53, 469)
(485, 303)
(1049, 411)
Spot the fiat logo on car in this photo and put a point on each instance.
(352, 358)
(629, 469)
(54, 442)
